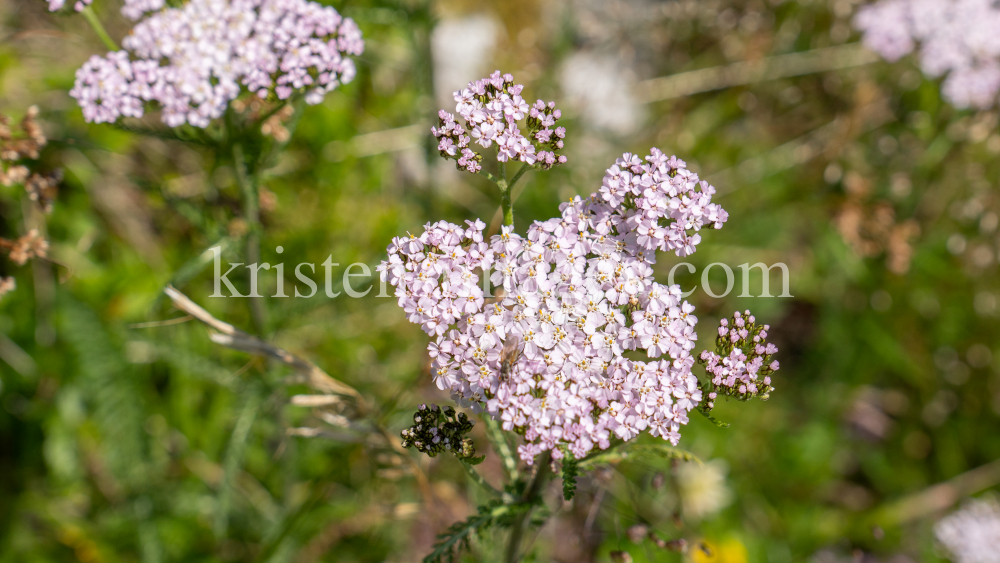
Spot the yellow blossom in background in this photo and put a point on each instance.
(731, 550)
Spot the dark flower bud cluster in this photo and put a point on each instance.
(436, 430)
(741, 365)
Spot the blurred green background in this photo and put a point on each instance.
(121, 441)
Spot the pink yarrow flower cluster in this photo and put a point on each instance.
(578, 293)
(79, 5)
(740, 366)
(135, 9)
(195, 59)
(972, 533)
(132, 9)
(491, 109)
(956, 37)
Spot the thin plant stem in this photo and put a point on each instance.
(489, 176)
(517, 176)
(506, 187)
(95, 23)
(508, 208)
(531, 495)
(502, 446)
(251, 213)
(505, 202)
(478, 479)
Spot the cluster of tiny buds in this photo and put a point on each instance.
(492, 108)
(31, 245)
(41, 187)
(33, 140)
(7, 284)
(740, 366)
(436, 430)
(272, 117)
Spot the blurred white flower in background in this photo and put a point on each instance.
(599, 89)
(462, 48)
(972, 533)
(703, 489)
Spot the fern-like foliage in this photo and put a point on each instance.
(111, 388)
(457, 537)
(570, 470)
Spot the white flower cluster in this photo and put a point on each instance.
(956, 37)
(972, 534)
(739, 367)
(491, 108)
(548, 358)
(195, 59)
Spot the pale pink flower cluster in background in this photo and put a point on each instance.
(972, 534)
(79, 5)
(491, 109)
(578, 293)
(956, 37)
(132, 9)
(195, 59)
(739, 367)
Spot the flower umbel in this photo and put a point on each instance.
(955, 37)
(578, 293)
(195, 59)
(492, 109)
(741, 365)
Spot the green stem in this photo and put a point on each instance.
(234, 456)
(502, 446)
(490, 177)
(251, 213)
(505, 204)
(517, 176)
(478, 479)
(505, 188)
(91, 17)
(542, 475)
